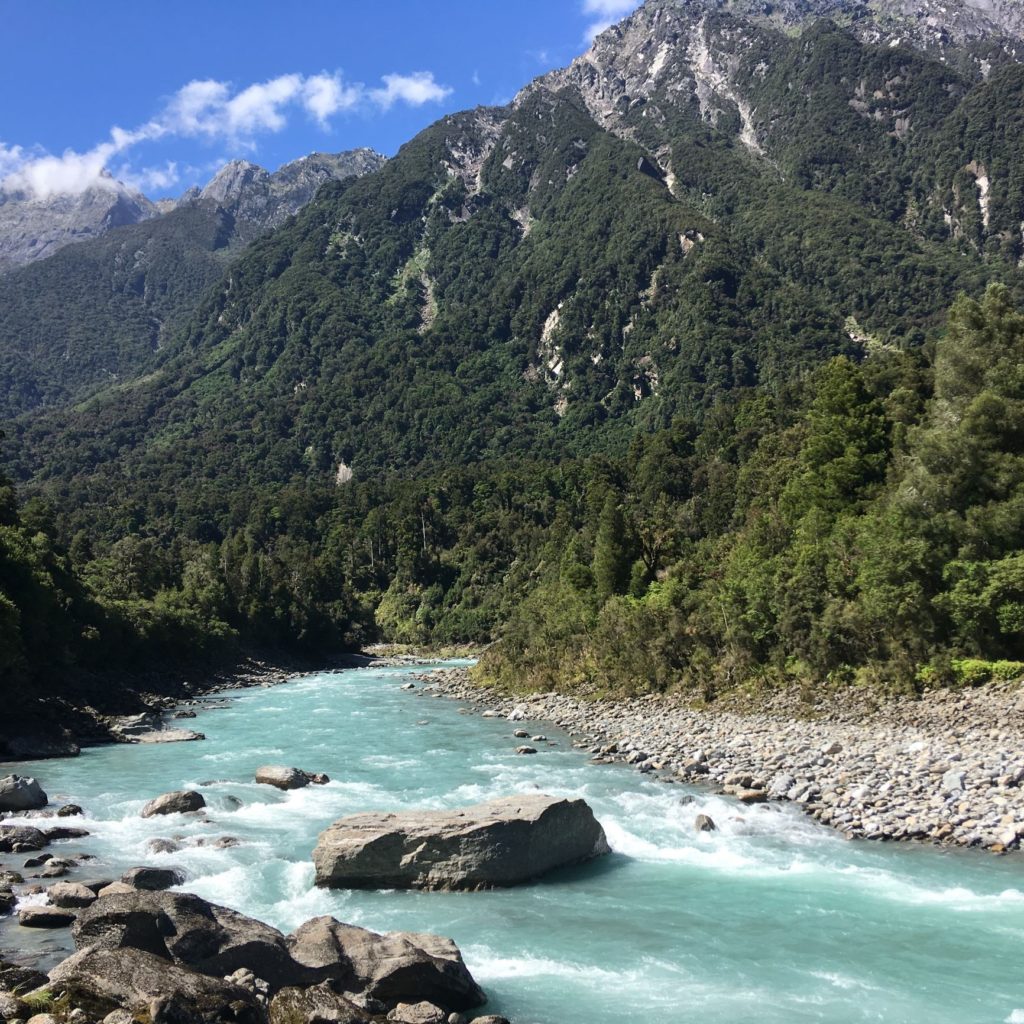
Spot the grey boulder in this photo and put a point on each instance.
(184, 928)
(152, 879)
(45, 917)
(283, 777)
(316, 1003)
(392, 968)
(21, 839)
(500, 843)
(21, 794)
(101, 981)
(70, 895)
(418, 1013)
(183, 801)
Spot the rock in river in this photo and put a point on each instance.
(180, 802)
(20, 794)
(288, 778)
(500, 843)
(45, 917)
(21, 839)
(392, 967)
(152, 879)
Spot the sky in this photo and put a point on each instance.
(161, 94)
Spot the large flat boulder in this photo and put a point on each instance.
(18, 793)
(500, 843)
(393, 968)
(184, 928)
(149, 987)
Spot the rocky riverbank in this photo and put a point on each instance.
(947, 768)
(92, 709)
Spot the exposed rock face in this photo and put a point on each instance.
(101, 980)
(194, 933)
(500, 843)
(251, 193)
(182, 801)
(388, 967)
(21, 794)
(33, 227)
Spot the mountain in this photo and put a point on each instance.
(653, 359)
(96, 311)
(34, 227)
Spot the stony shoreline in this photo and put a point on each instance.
(947, 768)
(98, 711)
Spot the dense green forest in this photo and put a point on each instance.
(866, 527)
(633, 428)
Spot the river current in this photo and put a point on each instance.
(772, 919)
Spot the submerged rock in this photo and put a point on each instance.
(21, 794)
(391, 968)
(500, 843)
(182, 801)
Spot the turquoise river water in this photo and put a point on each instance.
(770, 919)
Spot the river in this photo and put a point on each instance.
(772, 918)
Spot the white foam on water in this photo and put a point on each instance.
(1016, 1017)
(491, 966)
(844, 982)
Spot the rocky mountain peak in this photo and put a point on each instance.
(233, 179)
(33, 227)
(252, 194)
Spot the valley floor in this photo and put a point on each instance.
(945, 768)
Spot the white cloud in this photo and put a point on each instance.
(415, 89)
(150, 177)
(326, 95)
(605, 14)
(213, 111)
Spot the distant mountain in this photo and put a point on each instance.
(32, 228)
(714, 196)
(35, 227)
(95, 312)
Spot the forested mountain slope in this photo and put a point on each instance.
(646, 374)
(95, 312)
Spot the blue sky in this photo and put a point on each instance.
(162, 93)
